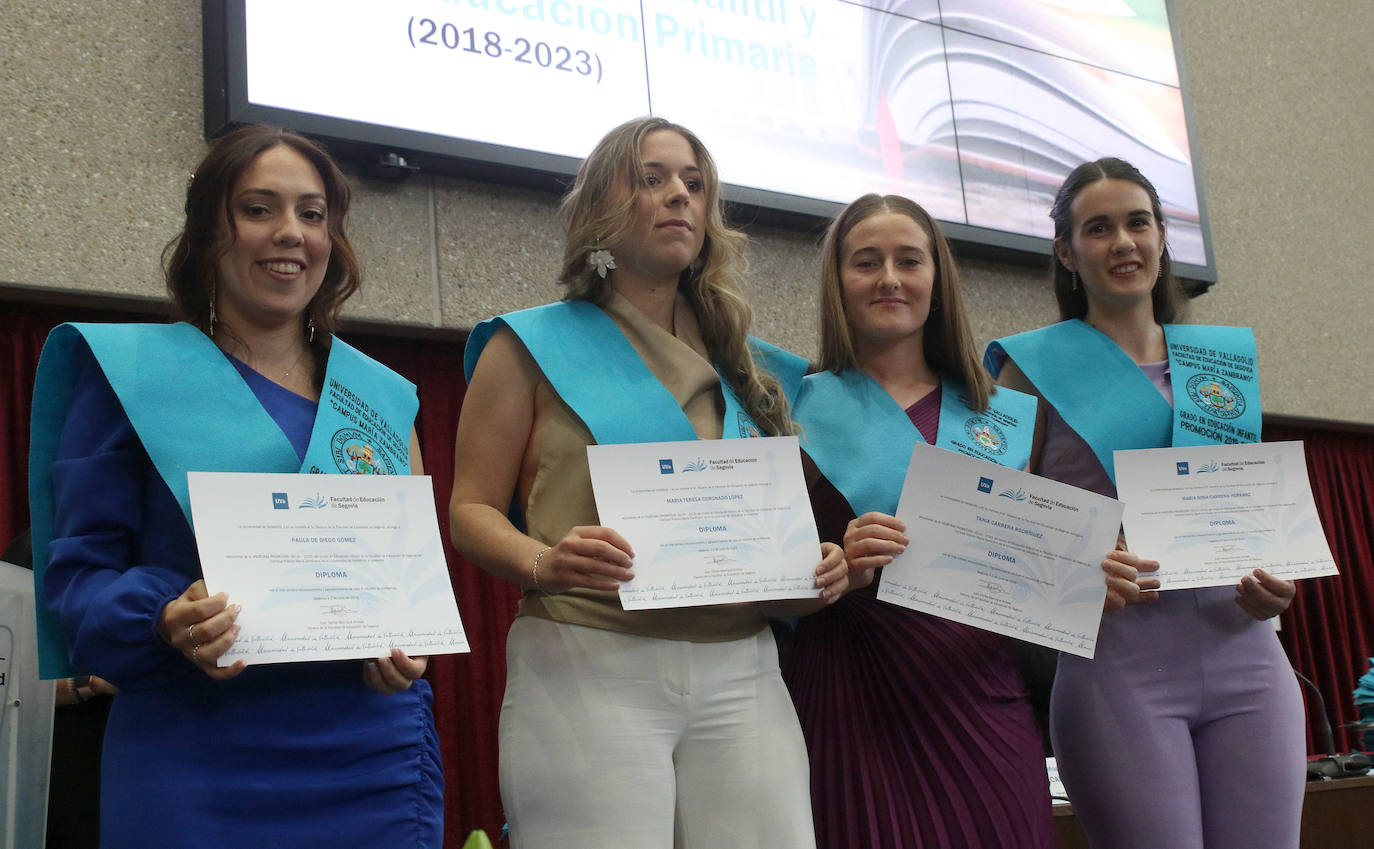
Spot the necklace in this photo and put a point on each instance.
(299, 357)
(285, 373)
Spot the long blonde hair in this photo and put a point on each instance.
(599, 211)
(947, 341)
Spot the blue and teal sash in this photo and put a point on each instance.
(1108, 401)
(193, 411)
(597, 372)
(861, 439)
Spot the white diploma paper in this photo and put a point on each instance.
(1002, 550)
(326, 567)
(710, 521)
(1212, 514)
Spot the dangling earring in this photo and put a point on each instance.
(212, 310)
(1075, 280)
(310, 327)
(601, 260)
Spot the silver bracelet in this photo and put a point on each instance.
(534, 573)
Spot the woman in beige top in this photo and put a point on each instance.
(649, 728)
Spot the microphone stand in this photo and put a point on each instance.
(1332, 765)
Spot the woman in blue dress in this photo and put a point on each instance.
(333, 754)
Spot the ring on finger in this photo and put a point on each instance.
(191, 635)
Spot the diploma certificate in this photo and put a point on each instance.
(1211, 514)
(710, 521)
(1002, 550)
(326, 567)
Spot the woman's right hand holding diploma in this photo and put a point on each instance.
(870, 541)
(201, 627)
(592, 556)
(1124, 582)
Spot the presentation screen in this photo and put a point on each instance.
(974, 108)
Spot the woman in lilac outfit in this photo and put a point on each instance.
(1186, 729)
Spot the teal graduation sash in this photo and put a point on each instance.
(862, 439)
(1214, 368)
(597, 372)
(1108, 401)
(193, 411)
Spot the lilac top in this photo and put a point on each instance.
(1065, 457)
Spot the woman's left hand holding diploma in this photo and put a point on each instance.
(1126, 584)
(871, 541)
(394, 673)
(832, 579)
(1264, 596)
(832, 575)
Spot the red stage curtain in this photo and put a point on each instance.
(23, 328)
(1329, 630)
(21, 338)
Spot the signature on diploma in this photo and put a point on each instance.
(717, 559)
(995, 587)
(339, 610)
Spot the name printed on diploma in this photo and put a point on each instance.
(1212, 514)
(710, 521)
(326, 567)
(1002, 550)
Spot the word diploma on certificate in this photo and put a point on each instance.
(713, 521)
(1212, 514)
(326, 567)
(1002, 550)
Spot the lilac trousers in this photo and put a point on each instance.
(1185, 731)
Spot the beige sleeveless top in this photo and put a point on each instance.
(555, 485)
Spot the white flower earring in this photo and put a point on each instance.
(602, 261)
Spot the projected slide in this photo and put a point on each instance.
(975, 108)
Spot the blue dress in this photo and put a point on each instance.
(299, 754)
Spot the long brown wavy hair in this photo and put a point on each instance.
(947, 341)
(190, 262)
(599, 211)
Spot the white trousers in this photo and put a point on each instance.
(610, 739)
